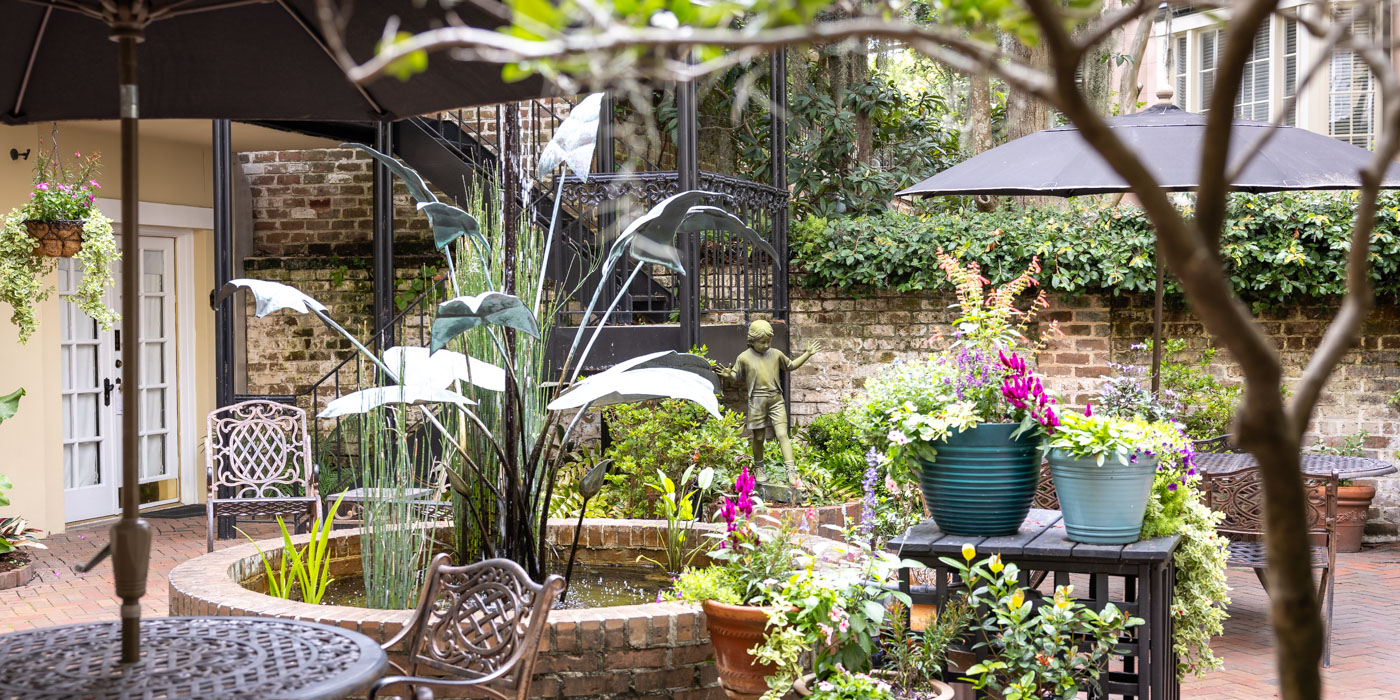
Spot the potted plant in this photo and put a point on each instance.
(736, 590)
(15, 532)
(1103, 469)
(949, 419)
(59, 220)
(1053, 648)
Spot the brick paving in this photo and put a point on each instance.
(1365, 643)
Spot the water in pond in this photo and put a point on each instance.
(593, 587)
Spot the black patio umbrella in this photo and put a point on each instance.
(207, 59)
(1168, 139)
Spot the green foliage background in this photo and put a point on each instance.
(1277, 247)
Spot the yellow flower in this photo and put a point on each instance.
(968, 552)
(996, 565)
(1017, 599)
(1061, 598)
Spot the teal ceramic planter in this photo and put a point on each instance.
(1102, 504)
(982, 481)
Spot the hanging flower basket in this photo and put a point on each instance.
(56, 239)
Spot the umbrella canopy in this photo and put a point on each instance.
(206, 59)
(1168, 139)
(221, 59)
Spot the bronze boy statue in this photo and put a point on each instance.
(760, 369)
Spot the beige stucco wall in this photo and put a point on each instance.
(172, 172)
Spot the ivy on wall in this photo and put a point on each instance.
(1277, 247)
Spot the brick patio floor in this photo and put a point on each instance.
(1365, 643)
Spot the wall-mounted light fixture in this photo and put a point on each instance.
(15, 154)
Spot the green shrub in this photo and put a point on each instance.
(836, 446)
(1277, 247)
(669, 436)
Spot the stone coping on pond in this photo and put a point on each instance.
(652, 650)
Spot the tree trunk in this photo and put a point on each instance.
(1025, 113)
(980, 111)
(1128, 87)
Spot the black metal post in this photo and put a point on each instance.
(512, 212)
(383, 239)
(223, 272)
(777, 149)
(607, 156)
(688, 178)
(1157, 326)
(130, 536)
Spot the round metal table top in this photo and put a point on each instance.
(190, 657)
(1318, 465)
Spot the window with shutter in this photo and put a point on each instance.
(1207, 43)
(1253, 100)
(1290, 67)
(1179, 78)
(1351, 103)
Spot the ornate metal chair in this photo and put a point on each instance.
(482, 623)
(259, 453)
(1239, 495)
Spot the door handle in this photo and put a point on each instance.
(107, 386)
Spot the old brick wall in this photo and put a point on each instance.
(862, 332)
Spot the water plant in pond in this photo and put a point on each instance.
(310, 567)
(680, 506)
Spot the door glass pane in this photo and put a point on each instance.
(153, 271)
(152, 318)
(67, 416)
(88, 473)
(153, 401)
(153, 458)
(85, 416)
(64, 370)
(153, 363)
(85, 368)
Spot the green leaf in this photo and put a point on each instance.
(9, 404)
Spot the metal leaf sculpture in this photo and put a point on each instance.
(671, 359)
(651, 238)
(592, 482)
(410, 177)
(574, 140)
(270, 296)
(450, 223)
(457, 316)
(366, 400)
(707, 218)
(630, 386)
(419, 367)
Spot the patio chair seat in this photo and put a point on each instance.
(1251, 554)
(263, 507)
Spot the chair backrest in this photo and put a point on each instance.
(1217, 444)
(481, 622)
(1239, 495)
(258, 449)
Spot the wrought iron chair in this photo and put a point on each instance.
(482, 623)
(1239, 495)
(259, 453)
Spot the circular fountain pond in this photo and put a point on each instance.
(624, 645)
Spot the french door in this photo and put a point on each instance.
(92, 390)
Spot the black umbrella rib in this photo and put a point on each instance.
(29, 67)
(173, 9)
(321, 42)
(70, 6)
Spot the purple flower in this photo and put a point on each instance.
(1088, 410)
(1171, 486)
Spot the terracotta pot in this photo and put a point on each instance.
(734, 630)
(804, 684)
(1352, 504)
(56, 239)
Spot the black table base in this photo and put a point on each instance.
(1137, 578)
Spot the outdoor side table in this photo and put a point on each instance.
(1319, 465)
(352, 504)
(1138, 578)
(190, 657)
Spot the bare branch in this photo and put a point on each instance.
(1215, 147)
(1101, 30)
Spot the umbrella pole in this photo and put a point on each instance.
(131, 536)
(1157, 331)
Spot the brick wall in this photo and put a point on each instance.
(862, 333)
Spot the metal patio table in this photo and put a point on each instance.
(190, 657)
(1319, 465)
(1137, 577)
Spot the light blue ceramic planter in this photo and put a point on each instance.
(1102, 504)
(982, 481)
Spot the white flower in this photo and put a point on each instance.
(898, 437)
(665, 20)
(825, 686)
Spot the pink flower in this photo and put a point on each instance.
(1088, 410)
(845, 625)
(42, 186)
(77, 154)
(94, 184)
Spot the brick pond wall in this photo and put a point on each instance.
(863, 332)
